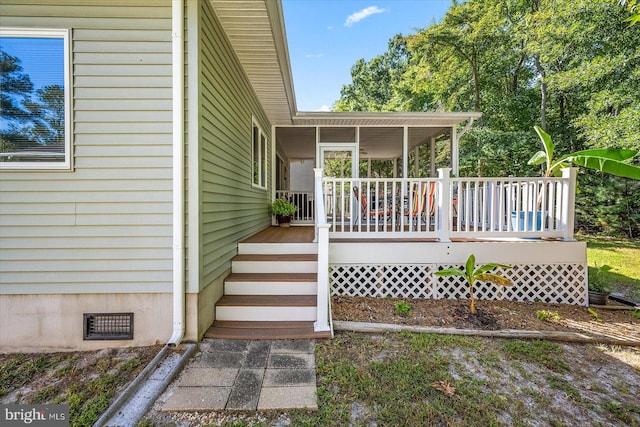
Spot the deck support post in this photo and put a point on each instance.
(568, 202)
(444, 203)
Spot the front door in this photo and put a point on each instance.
(339, 161)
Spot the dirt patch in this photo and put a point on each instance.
(490, 315)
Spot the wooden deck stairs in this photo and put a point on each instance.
(270, 293)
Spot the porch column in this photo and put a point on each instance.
(444, 203)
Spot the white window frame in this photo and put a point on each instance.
(65, 35)
(261, 156)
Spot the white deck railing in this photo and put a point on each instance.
(304, 202)
(447, 207)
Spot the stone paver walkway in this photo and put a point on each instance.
(247, 375)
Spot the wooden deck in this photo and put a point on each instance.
(299, 234)
(305, 234)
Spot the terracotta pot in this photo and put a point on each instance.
(598, 298)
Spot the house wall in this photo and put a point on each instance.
(231, 208)
(70, 240)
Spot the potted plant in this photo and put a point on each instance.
(283, 211)
(599, 286)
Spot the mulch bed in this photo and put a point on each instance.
(490, 315)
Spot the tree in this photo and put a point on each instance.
(571, 66)
(374, 82)
(47, 112)
(16, 88)
(467, 33)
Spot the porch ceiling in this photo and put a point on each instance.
(375, 142)
(257, 34)
(381, 134)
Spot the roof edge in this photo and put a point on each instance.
(381, 115)
(279, 32)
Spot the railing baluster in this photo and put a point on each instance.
(334, 206)
(484, 206)
(476, 205)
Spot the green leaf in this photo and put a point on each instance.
(549, 147)
(607, 153)
(489, 267)
(450, 272)
(607, 165)
(471, 263)
(538, 158)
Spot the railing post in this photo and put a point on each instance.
(322, 322)
(319, 201)
(568, 202)
(444, 204)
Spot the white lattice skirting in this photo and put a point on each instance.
(551, 283)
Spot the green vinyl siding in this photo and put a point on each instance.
(105, 226)
(232, 208)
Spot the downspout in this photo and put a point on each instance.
(466, 128)
(177, 61)
(455, 146)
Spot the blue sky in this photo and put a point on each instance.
(326, 37)
(33, 52)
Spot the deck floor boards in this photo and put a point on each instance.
(298, 234)
(306, 234)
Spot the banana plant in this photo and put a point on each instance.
(609, 160)
(471, 275)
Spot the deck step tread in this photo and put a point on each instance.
(276, 257)
(272, 277)
(267, 301)
(264, 330)
(262, 324)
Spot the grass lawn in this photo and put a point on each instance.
(621, 254)
(87, 381)
(403, 379)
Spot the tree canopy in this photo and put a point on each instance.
(572, 68)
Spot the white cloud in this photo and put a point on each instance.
(324, 108)
(329, 28)
(314, 55)
(360, 15)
